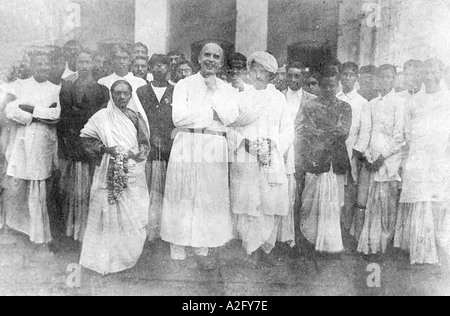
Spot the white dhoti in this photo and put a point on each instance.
(423, 229)
(25, 204)
(380, 217)
(156, 183)
(196, 209)
(75, 186)
(323, 198)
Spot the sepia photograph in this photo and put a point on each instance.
(225, 153)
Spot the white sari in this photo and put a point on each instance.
(115, 234)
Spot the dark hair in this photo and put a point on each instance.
(350, 65)
(159, 58)
(296, 65)
(55, 53)
(326, 73)
(237, 57)
(87, 51)
(71, 43)
(140, 58)
(388, 67)
(38, 53)
(176, 53)
(115, 84)
(99, 53)
(334, 63)
(140, 44)
(413, 63)
(185, 62)
(369, 70)
(121, 48)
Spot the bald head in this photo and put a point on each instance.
(212, 47)
(210, 59)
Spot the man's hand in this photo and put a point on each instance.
(27, 108)
(110, 150)
(211, 83)
(358, 155)
(376, 166)
(238, 83)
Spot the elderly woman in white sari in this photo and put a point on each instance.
(118, 211)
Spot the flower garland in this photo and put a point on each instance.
(263, 149)
(117, 176)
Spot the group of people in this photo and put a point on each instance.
(133, 148)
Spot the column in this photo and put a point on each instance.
(349, 30)
(251, 26)
(152, 25)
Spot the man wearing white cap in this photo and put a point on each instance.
(258, 141)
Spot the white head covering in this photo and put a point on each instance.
(265, 59)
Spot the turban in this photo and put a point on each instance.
(265, 59)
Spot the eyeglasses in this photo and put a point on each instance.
(160, 66)
(184, 71)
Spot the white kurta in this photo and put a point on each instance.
(296, 100)
(31, 156)
(255, 192)
(387, 135)
(423, 222)
(357, 102)
(196, 208)
(135, 83)
(32, 149)
(427, 172)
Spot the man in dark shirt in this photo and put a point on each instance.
(323, 157)
(156, 99)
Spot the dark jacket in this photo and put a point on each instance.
(322, 135)
(159, 115)
(78, 105)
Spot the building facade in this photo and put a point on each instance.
(363, 31)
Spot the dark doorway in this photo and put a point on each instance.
(196, 47)
(311, 54)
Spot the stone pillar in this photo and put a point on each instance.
(349, 30)
(152, 25)
(251, 26)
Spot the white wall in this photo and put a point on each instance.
(251, 26)
(152, 19)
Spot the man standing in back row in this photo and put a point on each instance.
(31, 153)
(122, 62)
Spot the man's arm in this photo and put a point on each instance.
(397, 139)
(51, 113)
(287, 133)
(183, 116)
(365, 131)
(15, 113)
(225, 105)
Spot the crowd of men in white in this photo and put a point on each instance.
(263, 154)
